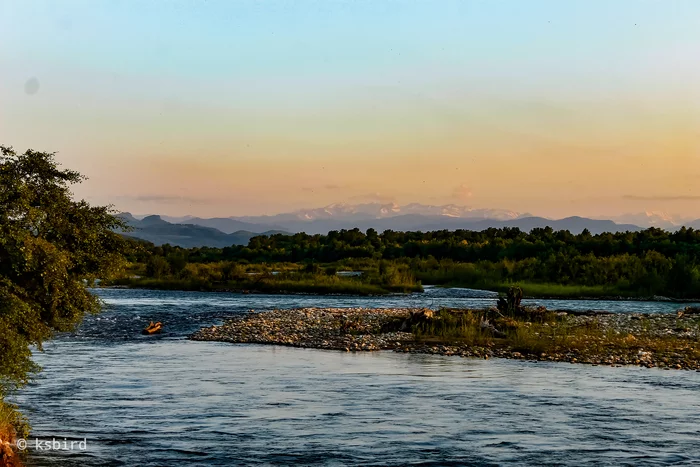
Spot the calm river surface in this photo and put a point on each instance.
(164, 400)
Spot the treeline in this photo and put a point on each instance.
(645, 263)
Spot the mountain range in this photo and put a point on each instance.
(658, 219)
(189, 231)
(347, 211)
(158, 231)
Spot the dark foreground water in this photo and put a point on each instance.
(163, 400)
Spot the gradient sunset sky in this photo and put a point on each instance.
(218, 108)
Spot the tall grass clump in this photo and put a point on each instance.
(466, 326)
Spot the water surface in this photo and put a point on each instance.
(163, 400)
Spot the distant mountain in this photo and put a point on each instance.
(154, 229)
(574, 225)
(226, 231)
(171, 219)
(423, 217)
(427, 223)
(230, 225)
(128, 217)
(358, 212)
(648, 219)
(693, 224)
(177, 219)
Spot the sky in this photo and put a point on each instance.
(222, 108)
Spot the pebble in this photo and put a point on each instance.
(361, 329)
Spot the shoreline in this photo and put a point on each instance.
(258, 292)
(290, 288)
(647, 340)
(9, 455)
(617, 298)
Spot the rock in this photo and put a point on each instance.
(359, 329)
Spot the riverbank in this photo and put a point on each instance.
(353, 286)
(649, 340)
(331, 286)
(10, 422)
(565, 292)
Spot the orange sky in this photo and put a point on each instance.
(552, 120)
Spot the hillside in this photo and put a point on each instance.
(159, 232)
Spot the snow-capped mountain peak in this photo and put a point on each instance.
(650, 219)
(345, 211)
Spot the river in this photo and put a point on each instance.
(164, 400)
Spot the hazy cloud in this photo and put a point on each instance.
(373, 198)
(168, 199)
(329, 187)
(663, 198)
(462, 192)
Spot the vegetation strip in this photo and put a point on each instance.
(649, 340)
(544, 262)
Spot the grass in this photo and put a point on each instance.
(323, 284)
(563, 291)
(539, 331)
(478, 276)
(375, 280)
(288, 283)
(12, 423)
(541, 290)
(448, 325)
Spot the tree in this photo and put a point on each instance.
(158, 267)
(51, 246)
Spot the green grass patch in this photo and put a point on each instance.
(283, 283)
(564, 291)
(537, 331)
(541, 290)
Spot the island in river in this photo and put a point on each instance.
(599, 338)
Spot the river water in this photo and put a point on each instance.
(164, 400)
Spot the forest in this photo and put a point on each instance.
(543, 262)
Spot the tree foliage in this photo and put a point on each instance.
(649, 262)
(51, 246)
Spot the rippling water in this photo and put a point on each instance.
(163, 400)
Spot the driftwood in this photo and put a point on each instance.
(510, 304)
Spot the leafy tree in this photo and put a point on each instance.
(51, 246)
(642, 263)
(158, 267)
